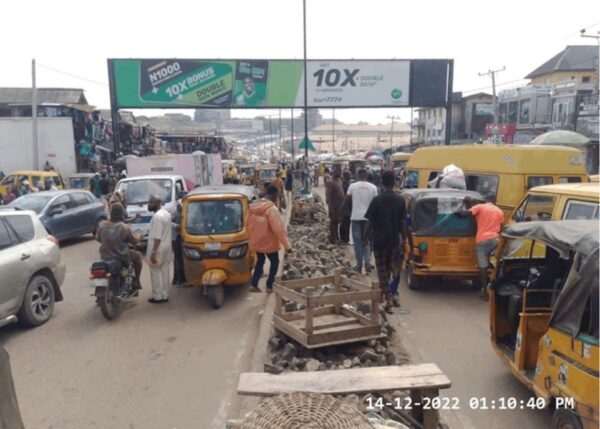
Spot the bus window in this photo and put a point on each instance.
(535, 207)
(572, 179)
(533, 181)
(486, 185)
(581, 210)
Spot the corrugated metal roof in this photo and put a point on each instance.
(572, 58)
(44, 95)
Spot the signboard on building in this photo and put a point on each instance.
(190, 83)
(484, 109)
(588, 106)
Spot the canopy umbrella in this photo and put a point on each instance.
(375, 158)
(561, 138)
(371, 153)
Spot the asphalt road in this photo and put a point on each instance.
(448, 325)
(161, 366)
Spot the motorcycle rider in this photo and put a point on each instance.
(115, 237)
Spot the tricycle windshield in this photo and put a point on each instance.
(79, 182)
(436, 217)
(214, 217)
(138, 192)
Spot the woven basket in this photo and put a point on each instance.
(302, 410)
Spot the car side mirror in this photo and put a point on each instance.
(56, 210)
(518, 217)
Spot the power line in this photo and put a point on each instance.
(72, 75)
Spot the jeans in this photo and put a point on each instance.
(260, 263)
(360, 253)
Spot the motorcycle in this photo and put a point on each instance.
(113, 283)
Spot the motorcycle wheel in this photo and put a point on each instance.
(108, 305)
(216, 295)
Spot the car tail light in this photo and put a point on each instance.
(53, 239)
(98, 274)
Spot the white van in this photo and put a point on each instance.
(137, 191)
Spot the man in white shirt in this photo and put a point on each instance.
(362, 193)
(159, 251)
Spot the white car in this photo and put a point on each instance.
(31, 271)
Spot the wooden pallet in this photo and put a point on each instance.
(324, 321)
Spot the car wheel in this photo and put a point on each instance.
(38, 302)
(216, 295)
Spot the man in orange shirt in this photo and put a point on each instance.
(267, 235)
(489, 220)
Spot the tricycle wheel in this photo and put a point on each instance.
(216, 295)
(565, 419)
(414, 282)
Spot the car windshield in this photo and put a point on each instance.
(214, 217)
(79, 182)
(31, 202)
(137, 192)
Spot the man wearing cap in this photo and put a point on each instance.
(115, 236)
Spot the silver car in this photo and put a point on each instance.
(31, 271)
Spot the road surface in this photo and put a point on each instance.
(448, 324)
(167, 366)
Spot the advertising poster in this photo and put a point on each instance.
(175, 83)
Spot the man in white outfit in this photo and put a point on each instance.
(159, 251)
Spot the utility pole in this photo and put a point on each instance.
(492, 73)
(596, 65)
(271, 136)
(280, 141)
(333, 134)
(292, 130)
(411, 127)
(392, 132)
(305, 99)
(34, 102)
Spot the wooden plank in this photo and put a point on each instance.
(337, 284)
(362, 319)
(325, 322)
(299, 284)
(343, 298)
(343, 333)
(278, 310)
(346, 381)
(291, 295)
(290, 331)
(308, 322)
(355, 284)
(431, 416)
(347, 341)
(301, 314)
(375, 303)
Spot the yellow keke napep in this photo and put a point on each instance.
(34, 177)
(504, 171)
(544, 315)
(214, 228)
(572, 201)
(399, 160)
(441, 244)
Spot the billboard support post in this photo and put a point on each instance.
(449, 102)
(305, 100)
(114, 110)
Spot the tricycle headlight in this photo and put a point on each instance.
(238, 251)
(191, 253)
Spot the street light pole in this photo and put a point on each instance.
(492, 73)
(305, 99)
(35, 155)
(392, 132)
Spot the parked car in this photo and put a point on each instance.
(65, 214)
(30, 269)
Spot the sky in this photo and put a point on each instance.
(71, 40)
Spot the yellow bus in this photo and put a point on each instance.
(503, 171)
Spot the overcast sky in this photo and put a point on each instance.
(77, 37)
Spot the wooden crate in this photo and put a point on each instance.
(324, 321)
